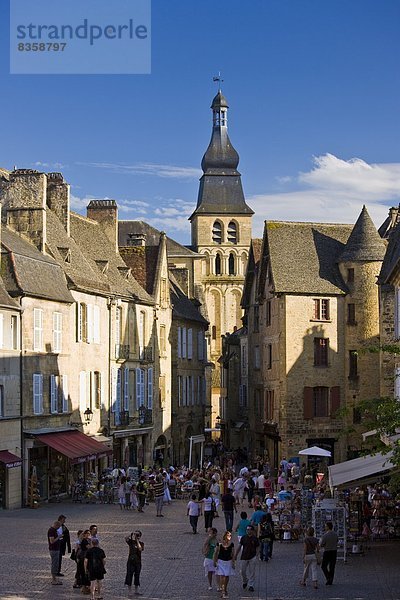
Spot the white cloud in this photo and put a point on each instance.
(136, 207)
(333, 191)
(46, 165)
(154, 169)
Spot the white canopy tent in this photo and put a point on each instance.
(314, 451)
(360, 470)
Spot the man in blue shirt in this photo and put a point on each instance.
(257, 516)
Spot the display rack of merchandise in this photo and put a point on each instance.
(306, 507)
(328, 511)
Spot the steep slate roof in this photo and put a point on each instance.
(26, 270)
(304, 256)
(220, 190)
(392, 257)
(364, 243)
(252, 269)
(182, 307)
(81, 272)
(95, 244)
(256, 245)
(152, 238)
(5, 299)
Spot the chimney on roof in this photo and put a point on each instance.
(24, 200)
(105, 212)
(136, 239)
(58, 198)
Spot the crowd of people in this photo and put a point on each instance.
(254, 505)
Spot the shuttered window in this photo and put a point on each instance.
(126, 389)
(53, 394)
(139, 388)
(37, 393)
(179, 342)
(184, 344)
(190, 344)
(57, 331)
(150, 388)
(37, 329)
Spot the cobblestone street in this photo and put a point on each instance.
(172, 561)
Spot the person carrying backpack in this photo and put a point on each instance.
(266, 536)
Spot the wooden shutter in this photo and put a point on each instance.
(37, 393)
(184, 344)
(308, 403)
(118, 396)
(179, 342)
(150, 388)
(53, 394)
(335, 400)
(38, 329)
(64, 392)
(82, 391)
(126, 389)
(138, 380)
(190, 343)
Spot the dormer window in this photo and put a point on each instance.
(217, 233)
(232, 232)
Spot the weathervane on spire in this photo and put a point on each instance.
(218, 79)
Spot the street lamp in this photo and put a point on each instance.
(88, 414)
(218, 422)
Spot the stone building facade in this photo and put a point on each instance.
(313, 310)
(221, 235)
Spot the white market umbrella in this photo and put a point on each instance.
(314, 451)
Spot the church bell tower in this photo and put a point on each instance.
(221, 230)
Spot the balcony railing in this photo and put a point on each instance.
(145, 416)
(122, 351)
(121, 418)
(146, 354)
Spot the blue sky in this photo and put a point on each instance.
(313, 88)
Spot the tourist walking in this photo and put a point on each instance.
(228, 507)
(141, 493)
(74, 556)
(208, 550)
(54, 537)
(95, 567)
(159, 495)
(224, 561)
(209, 510)
(310, 558)
(65, 542)
(329, 543)
(134, 564)
(266, 536)
(193, 512)
(83, 580)
(249, 545)
(241, 527)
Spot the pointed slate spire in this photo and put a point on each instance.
(221, 189)
(364, 243)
